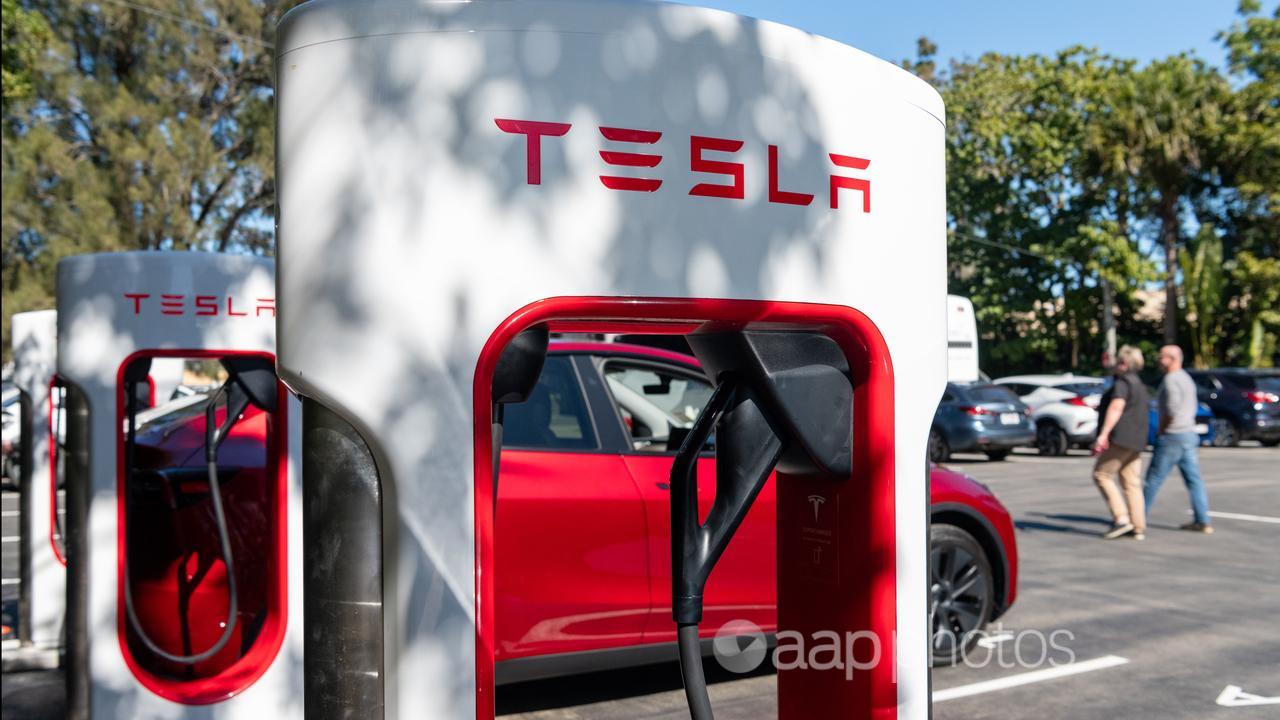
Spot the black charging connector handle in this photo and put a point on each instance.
(783, 399)
(747, 448)
(514, 378)
(803, 380)
(251, 381)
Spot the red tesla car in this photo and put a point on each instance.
(583, 531)
(583, 528)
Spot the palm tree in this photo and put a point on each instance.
(1180, 106)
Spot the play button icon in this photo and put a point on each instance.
(740, 646)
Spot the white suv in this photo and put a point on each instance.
(1064, 408)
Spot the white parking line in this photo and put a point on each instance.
(10, 581)
(1036, 676)
(10, 538)
(10, 513)
(1239, 516)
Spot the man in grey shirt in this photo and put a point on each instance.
(1177, 442)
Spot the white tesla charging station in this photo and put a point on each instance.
(152, 627)
(452, 174)
(40, 609)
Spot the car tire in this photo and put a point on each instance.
(961, 593)
(1270, 443)
(939, 450)
(1051, 440)
(1225, 433)
(998, 455)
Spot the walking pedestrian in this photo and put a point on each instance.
(1177, 442)
(1121, 438)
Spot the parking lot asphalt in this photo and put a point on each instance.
(1163, 628)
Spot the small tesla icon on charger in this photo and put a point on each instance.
(816, 501)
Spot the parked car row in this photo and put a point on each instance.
(1061, 412)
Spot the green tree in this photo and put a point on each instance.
(1180, 101)
(1246, 203)
(1260, 300)
(1040, 202)
(145, 128)
(1203, 282)
(25, 36)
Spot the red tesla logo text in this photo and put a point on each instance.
(201, 305)
(733, 173)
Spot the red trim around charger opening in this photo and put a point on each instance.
(244, 672)
(873, 442)
(53, 474)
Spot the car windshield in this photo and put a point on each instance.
(990, 394)
(1082, 388)
(159, 422)
(653, 401)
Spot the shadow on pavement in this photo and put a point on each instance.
(1094, 519)
(1052, 527)
(34, 695)
(608, 685)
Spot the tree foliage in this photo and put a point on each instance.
(133, 126)
(1204, 280)
(1071, 169)
(137, 124)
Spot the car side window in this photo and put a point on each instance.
(656, 405)
(1020, 389)
(1205, 382)
(555, 417)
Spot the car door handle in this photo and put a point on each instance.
(664, 486)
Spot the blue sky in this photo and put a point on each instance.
(1139, 29)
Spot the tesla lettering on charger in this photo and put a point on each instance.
(709, 155)
(459, 181)
(181, 304)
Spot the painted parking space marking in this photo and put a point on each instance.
(1241, 516)
(1029, 678)
(992, 641)
(1235, 696)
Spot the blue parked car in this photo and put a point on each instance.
(1204, 423)
(981, 417)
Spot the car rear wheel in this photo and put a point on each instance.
(1051, 440)
(1270, 443)
(939, 450)
(961, 593)
(997, 454)
(1225, 433)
